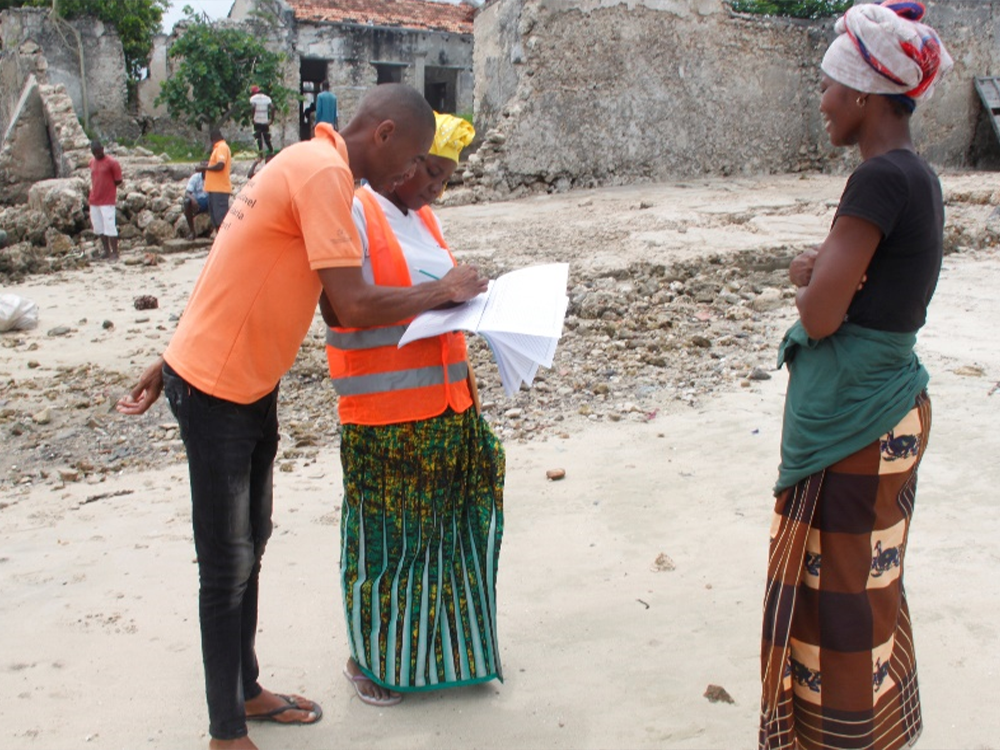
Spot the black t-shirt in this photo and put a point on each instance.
(899, 193)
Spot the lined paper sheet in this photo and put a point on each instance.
(520, 315)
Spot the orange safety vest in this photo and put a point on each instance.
(379, 383)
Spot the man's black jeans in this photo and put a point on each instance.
(230, 451)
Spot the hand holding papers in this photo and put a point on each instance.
(520, 316)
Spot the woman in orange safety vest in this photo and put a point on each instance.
(422, 518)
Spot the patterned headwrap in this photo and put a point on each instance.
(452, 135)
(883, 49)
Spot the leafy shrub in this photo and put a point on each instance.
(181, 149)
(174, 147)
(215, 66)
(792, 8)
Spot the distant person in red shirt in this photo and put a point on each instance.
(105, 177)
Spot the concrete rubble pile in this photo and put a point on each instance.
(647, 329)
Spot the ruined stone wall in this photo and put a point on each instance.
(574, 93)
(24, 29)
(947, 127)
(25, 154)
(352, 52)
(16, 66)
(157, 73)
(44, 139)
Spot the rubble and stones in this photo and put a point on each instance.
(627, 338)
(45, 221)
(644, 334)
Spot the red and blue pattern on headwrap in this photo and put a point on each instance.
(909, 11)
(884, 49)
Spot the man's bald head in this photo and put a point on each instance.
(398, 102)
(392, 130)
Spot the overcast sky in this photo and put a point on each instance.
(212, 8)
(219, 9)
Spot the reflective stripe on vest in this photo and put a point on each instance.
(398, 380)
(364, 338)
(377, 382)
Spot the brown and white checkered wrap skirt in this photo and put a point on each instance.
(838, 665)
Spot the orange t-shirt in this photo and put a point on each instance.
(219, 182)
(255, 298)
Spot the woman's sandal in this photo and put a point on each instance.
(357, 679)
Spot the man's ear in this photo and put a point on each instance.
(384, 131)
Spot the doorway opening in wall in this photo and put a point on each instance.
(440, 85)
(312, 72)
(389, 72)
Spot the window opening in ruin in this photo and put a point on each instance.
(312, 72)
(440, 86)
(389, 72)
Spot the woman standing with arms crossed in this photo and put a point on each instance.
(838, 662)
(422, 517)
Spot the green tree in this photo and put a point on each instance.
(136, 21)
(214, 69)
(793, 8)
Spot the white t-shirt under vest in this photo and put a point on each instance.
(424, 257)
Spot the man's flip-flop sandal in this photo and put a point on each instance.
(291, 704)
(357, 679)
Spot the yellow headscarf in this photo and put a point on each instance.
(453, 134)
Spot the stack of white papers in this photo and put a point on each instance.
(520, 316)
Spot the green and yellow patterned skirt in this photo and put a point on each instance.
(420, 539)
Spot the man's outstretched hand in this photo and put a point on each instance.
(146, 391)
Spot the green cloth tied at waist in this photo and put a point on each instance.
(844, 391)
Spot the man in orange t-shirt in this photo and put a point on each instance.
(288, 236)
(217, 182)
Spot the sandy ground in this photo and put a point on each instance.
(99, 644)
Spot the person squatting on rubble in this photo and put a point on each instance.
(195, 200)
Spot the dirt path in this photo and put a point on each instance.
(670, 450)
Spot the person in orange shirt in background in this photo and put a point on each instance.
(217, 181)
(289, 235)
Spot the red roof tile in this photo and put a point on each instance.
(407, 14)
